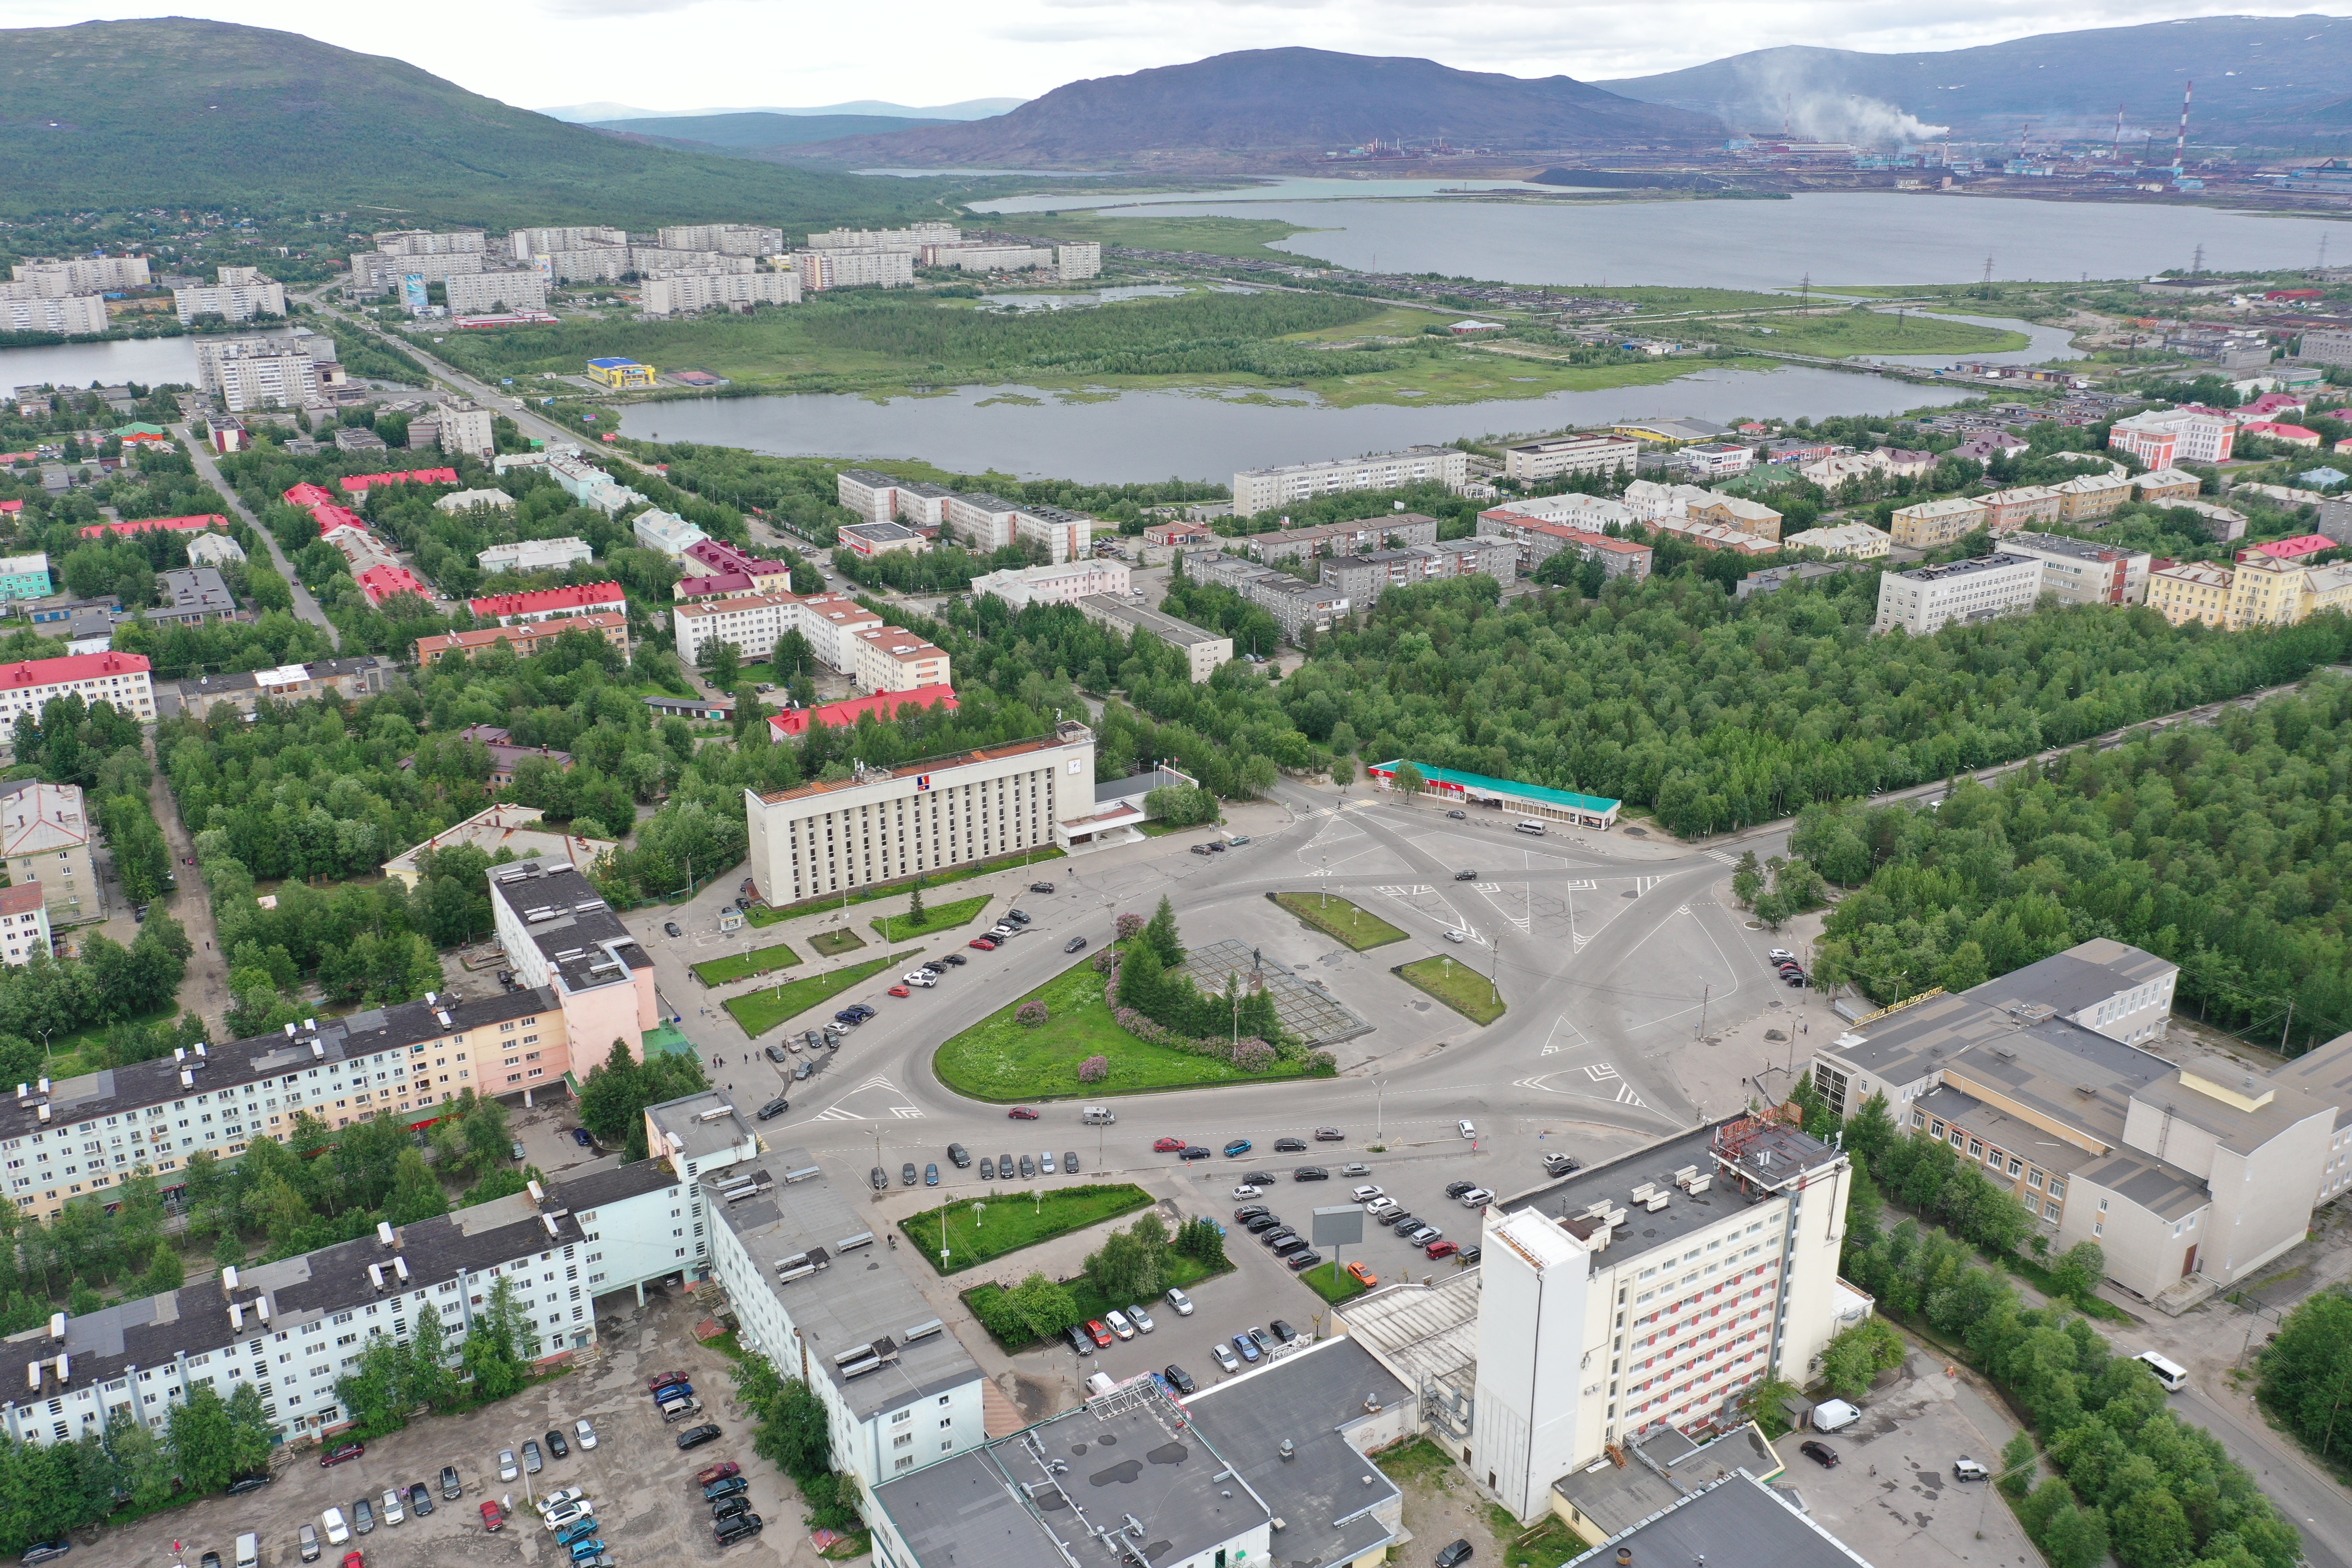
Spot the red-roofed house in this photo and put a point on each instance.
(381, 582)
(149, 525)
(724, 585)
(524, 639)
(2289, 434)
(10, 507)
(583, 599)
(331, 517)
(308, 494)
(2294, 549)
(120, 679)
(2270, 405)
(796, 721)
(360, 484)
(722, 558)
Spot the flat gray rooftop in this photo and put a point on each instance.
(1737, 1522)
(1326, 1495)
(1567, 1199)
(1617, 1496)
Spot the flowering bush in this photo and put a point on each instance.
(1252, 1055)
(1106, 960)
(1032, 1015)
(1094, 1069)
(1130, 927)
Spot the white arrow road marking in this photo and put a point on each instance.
(1599, 1072)
(1584, 887)
(906, 1112)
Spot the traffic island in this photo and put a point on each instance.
(1356, 926)
(762, 1010)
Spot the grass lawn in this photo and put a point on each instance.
(736, 966)
(1418, 1460)
(1456, 984)
(937, 917)
(981, 1230)
(1357, 928)
(1477, 375)
(764, 916)
(833, 943)
(1182, 1272)
(1867, 331)
(762, 1010)
(1000, 1061)
(1326, 1280)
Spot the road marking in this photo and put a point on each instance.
(907, 1112)
(1719, 854)
(1625, 1095)
(1584, 887)
(1599, 1072)
(1644, 884)
(1552, 1045)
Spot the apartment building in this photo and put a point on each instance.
(2164, 439)
(484, 293)
(868, 540)
(665, 532)
(1262, 489)
(586, 264)
(1652, 502)
(1714, 536)
(46, 838)
(192, 596)
(2167, 486)
(2021, 506)
(884, 824)
(74, 315)
(689, 292)
(248, 295)
(2275, 590)
(25, 577)
(871, 494)
(524, 244)
(911, 238)
(1740, 515)
(1471, 557)
(1204, 650)
(2081, 572)
(1846, 542)
(1076, 260)
(1708, 461)
(524, 638)
(1648, 1294)
(2315, 348)
(719, 555)
(1925, 599)
(819, 270)
(373, 271)
(1297, 607)
(1932, 524)
(1066, 584)
(983, 520)
(846, 638)
(1538, 541)
(2057, 1082)
(1063, 536)
(1568, 456)
(259, 373)
(23, 922)
(892, 659)
(83, 274)
(1363, 578)
(2092, 497)
(987, 255)
(560, 935)
(1392, 529)
(726, 238)
(581, 599)
(2188, 591)
(120, 679)
(1595, 514)
(794, 722)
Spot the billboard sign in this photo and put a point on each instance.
(412, 295)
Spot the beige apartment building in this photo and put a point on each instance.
(1740, 515)
(1568, 456)
(2267, 591)
(2092, 496)
(2021, 506)
(892, 659)
(1932, 524)
(2167, 486)
(1203, 650)
(1847, 540)
(2191, 591)
(46, 836)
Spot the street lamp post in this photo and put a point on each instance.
(1379, 1110)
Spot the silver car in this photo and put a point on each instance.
(507, 1469)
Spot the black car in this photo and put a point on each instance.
(742, 1527)
(420, 1498)
(774, 1108)
(725, 1489)
(1016, 917)
(1310, 1173)
(879, 1177)
(1276, 1234)
(558, 1446)
(1465, 875)
(1075, 944)
(1004, 1167)
(1454, 1555)
(1028, 1167)
(1283, 1330)
(907, 1173)
(1469, 1254)
(1078, 1340)
(1249, 1212)
(1305, 1258)
(669, 928)
(776, 1054)
(46, 1550)
(1178, 1378)
(1070, 1163)
(1394, 1219)
(696, 1437)
(731, 1507)
(1291, 1145)
(249, 1484)
(1195, 1153)
(956, 959)
(451, 1489)
(987, 1167)
(1456, 1189)
(1261, 1222)
(1287, 1245)
(1041, 887)
(959, 1156)
(1818, 1452)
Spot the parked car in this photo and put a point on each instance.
(696, 1437)
(1355, 1168)
(1069, 1163)
(1821, 1453)
(985, 944)
(1392, 1215)
(1465, 875)
(1467, 1129)
(1287, 1246)
(774, 1108)
(1079, 1339)
(516, 1150)
(1248, 1190)
(1362, 1275)
(1310, 1173)
(1469, 1254)
(1166, 1145)
(1193, 1152)
(679, 1389)
(1305, 1258)
(725, 1486)
(1045, 1162)
(729, 1508)
(1457, 1551)
(930, 1176)
(420, 1498)
(561, 1496)
(1330, 1135)
(1178, 1378)
(907, 1173)
(1141, 1320)
(1969, 1471)
(578, 1530)
(1099, 1334)
(743, 1527)
(340, 1452)
(669, 928)
(582, 1136)
(557, 1447)
(1442, 1248)
(1291, 1145)
(1421, 1234)
(987, 1168)
(774, 1053)
(306, 1538)
(1237, 1148)
(1365, 1193)
(249, 1484)
(959, 1156)
(1028, 1166)
(1022, 1113)
(508, 1470)
(451, 1488)
(878, 1178)
(1560, 1164)
(1249, 1212)
(395, 1506)
(1261, 1222)
(362, 1517)
(899, 991)
(1201, 849)
(494, 1517)
(1282, 1331)
(718, 1472)
(1226, 1360)
(1248, 1347)
(50, 1551)
(1477, 1198)
(565, 1516)
(1119, 1323)
(1016, 917)
(1041, 887)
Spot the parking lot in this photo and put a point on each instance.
(646, 1506)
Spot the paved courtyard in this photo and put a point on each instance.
(1305, 1007)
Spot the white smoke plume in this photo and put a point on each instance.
(1780, 91)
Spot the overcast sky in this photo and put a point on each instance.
(693, 54)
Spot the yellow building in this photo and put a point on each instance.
(2191, 591)
(1930, 524)
(1738, 513)
(2093, 495)
(620, 374)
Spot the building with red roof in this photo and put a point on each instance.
(722, 558)
(360, 484)
(724, 585)
(525, 639)
(331, 517)
(151, 524)
(381, 582)
(9, 507)
(120, 679)
(2294, 549)
(2290, 434)
(581, 599)
(308, 494)
(794, 722)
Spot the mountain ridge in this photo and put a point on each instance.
(969, 109)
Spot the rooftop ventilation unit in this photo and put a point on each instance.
(65, 1373)
(553, 1230)
(583, 908)
(200, 1056)
(856, 1352)
(922, 1330)
(228, 1279)
(399, 1266)
(852, 1243)
(237, 1317)
(187, 1078)
(56, 1325)
(860, 1368)
(289, 1031)
(804, 1173)
(1658, 1201)
(723, 1112)
(799, 1271)
(261, 1309)
(32, 1374)
(383, 1233)
(310, 1025)
(442, 1016)
(317, 1051)
(795, 1260)
(1683, 1176)
(543, 913)
(41, 1112)
(1644, 1193)
(375, 1276)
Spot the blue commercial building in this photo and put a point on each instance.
(25, 576)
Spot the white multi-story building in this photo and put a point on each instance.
(657, 261)
(259, 372)
(560, 935)
(120, 679)
(1061, 584)
(1713, 460)
(665, 532)
(375, 270)
(84, 274)
(426, 242)
(1063, 535)
(589, 485)
(1076, 260)
(824, 270)
(1846, 541)
(533, 554)
(23, 923)
(882, 823)
(892, 659)
(76, 315)
(984, 522)
(239, 295)
(46, 837)
(1592, 513)
(871, 494)
(911, 238)
(485, 293)
(689, 292)
(750, 622)
(1262, 489)
(2081, 572)
(1649, 1292)
(469, 428)
(526, 244)
(727, 238)
(1562, 456)
(1652, 502)
(987, 255)
(587, 264)
(1925, 599)
(2165, 438)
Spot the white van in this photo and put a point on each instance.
(1532, 825)
(248, 1550)
(337, 1530)
(1096, 1116)
(1834, 1416)
(2174, 1376)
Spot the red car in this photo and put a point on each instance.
(493, 1516)
(900, 991)
(1022, 1113)
(1443, 1249)
(337, 1456)
(985, 944)
(1166, 1145)
(354, 1560)
(664, 1380)
(1101, 1335)
(718, 1472)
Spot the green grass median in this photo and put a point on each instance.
(981, 1230)
(941, 917)
(1359, 928)
(762, 1010)
(1457, 986)
(737, 965)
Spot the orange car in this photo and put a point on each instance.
(1362, 1275)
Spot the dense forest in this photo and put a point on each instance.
(2226, 849)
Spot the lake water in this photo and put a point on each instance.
(1840, 238)
(1144, 436)
(143, 360)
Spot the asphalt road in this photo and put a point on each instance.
(305, 606)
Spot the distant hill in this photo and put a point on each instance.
(969, 109)
(177, 112)
(756, 129)
(1277, 100)
(2253, 74)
